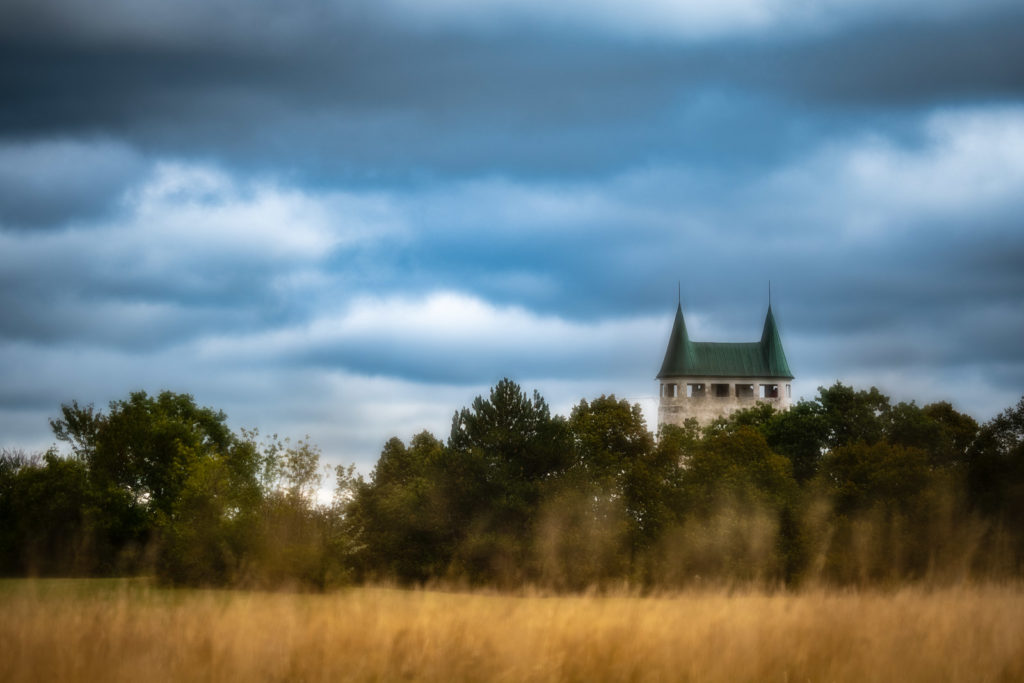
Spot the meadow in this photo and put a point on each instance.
(100, 630)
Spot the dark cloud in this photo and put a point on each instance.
(374, 103)
(898, 64)
(49, 183)
(245, 198)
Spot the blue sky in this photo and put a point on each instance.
(347, 219)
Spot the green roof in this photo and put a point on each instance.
(685, 358)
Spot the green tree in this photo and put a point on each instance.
(12, 461)
(862, 475)
(800, 434)
(937, 429)
(884, 497)
(139, 457)
(852, 416)
(958, 434)
(757, 415)
(401, 514)
(995, 473)
(503, 454)
(615, 458)
(42, 525)
(515, 435)
(736, 492)
(608, 436)
(680, 442)
(738, 465)
(594, 522)
(212, 534)
(295, 528)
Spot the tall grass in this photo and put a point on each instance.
(84, 631)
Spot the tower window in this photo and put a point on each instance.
(720, 390)
(695, 391)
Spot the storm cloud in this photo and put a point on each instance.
(348, 219)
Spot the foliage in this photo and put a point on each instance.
(799, 434)
(616, 464)
(740, 466)
(161, 484)
(139, 457)
(210, 532)
(401, 515)
(503, 453)
(846, 488)
(852, 416)
(995, 474)
(862, 476)
(42, 506)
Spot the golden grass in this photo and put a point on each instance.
(83, 631)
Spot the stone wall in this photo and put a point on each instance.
(685, 397)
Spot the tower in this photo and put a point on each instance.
(706, 380)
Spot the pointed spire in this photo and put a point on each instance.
(771, 347)
(679, 355)
(770, 330)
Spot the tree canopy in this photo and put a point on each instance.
(845, 487)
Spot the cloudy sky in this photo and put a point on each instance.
(348, 218)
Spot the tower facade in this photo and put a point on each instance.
(706, 380)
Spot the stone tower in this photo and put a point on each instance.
(706, 380)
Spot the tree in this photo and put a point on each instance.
(862, 475)
(297, 541)
(851, 415)
(11, 541)
(79, 427)
(516, 436)
(503, 453)
(213, 534)
(995, 475)
(801, 434)
(608, 436)
(757, 415)
(736, 491)
(885, 498)
(958, 432)
(161, 484)
(401, 514)
(937, 429)
(139, 458)
(615, 458)
(42, 525)
(740, 466)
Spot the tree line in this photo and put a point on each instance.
(845, 488)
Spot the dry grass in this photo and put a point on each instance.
(88, 631)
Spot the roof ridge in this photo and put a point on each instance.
(686, 358)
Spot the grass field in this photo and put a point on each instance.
(68, 630)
